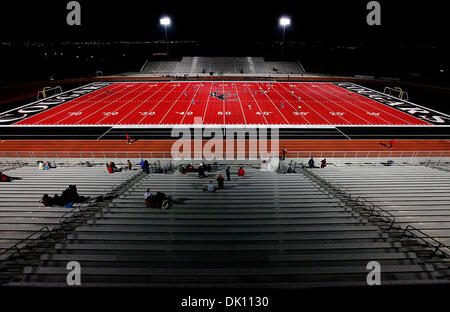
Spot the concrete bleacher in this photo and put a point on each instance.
(415, 195)
(226, 65)
(21, 213)
(263, 230)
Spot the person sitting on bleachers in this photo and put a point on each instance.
(210, 187)
(323, 163)
(5, 178)
(147, 197)
(70, 195)
(129, 165)
(241, 172)
(48, 165)
(41, 165)
(311, 163)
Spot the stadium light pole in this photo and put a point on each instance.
(165, 21)
(284, 21)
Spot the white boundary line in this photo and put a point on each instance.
(104, 133)
(230, 126)
(343, 134)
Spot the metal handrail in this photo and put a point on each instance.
(437, 247)
(16, 245)
(346, 196)
(389, 216)
(167, 154)
(375, 208)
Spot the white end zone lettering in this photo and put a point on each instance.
(415, 110)
(20, 113)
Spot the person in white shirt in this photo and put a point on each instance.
(41, 165)
(147, 197)
(211, 187)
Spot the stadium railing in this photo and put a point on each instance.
(63, 155)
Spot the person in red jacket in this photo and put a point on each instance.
(5, 178)
(241, 172)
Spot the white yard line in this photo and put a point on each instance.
(134, 109)
(184, 90)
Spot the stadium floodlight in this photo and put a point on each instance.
(165, 21)
(284, 21)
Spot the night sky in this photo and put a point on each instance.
(224, 20)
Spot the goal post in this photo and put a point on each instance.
(396, 92)
(48, 91)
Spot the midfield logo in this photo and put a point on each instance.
(226, 96)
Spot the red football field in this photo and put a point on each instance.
(222, 103)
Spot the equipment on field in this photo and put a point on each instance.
(396, 92)
(48, 91)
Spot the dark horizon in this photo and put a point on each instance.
(234, 21)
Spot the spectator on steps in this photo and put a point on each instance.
(228, 173)
(41, 165)
(210, 188)
(311, 163)
(5, 178)
(147, 196)
(220, 181)
(241, 172)
(146, 167)
(141, 163)
(48, 165)
(129, 165)
(201, 172)
(323, 163)
(70, 195)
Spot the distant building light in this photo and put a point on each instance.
(441, 70)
